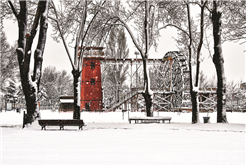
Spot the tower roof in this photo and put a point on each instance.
(94, 52)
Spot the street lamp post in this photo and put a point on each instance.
(137, 53)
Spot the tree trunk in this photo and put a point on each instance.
(147, 96)
(194, 101)
(76, 112)
(149, 103)
(31, 104)
(195, 107)
(219, 65)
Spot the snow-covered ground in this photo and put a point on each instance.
(110, 140)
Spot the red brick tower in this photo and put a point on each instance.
(91, 83)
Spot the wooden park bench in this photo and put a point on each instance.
(150, 119)
(61, 122)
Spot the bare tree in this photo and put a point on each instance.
(233, 26)
(30, 84)
(194, 88)
(219, 63)
(72, 19)
(228, 24)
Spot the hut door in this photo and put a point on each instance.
(87, 106)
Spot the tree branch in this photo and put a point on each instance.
(130, 33)
(13, 9)
(63, 39)
(134, 10)
(34, 29)
(200, 43)
(38, 55)
(91, 23)
(152, 25)
(196, 3)
(22, 21)
(86, 32)
(190, 44)
(80, 34)
(172, 25)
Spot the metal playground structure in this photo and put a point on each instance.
(169, 84)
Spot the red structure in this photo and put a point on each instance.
(91, 83)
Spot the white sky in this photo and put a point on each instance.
(55, 54)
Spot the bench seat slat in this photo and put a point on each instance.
(150, 119)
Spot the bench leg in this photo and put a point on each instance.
(61, 127)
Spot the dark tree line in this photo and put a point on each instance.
(9, 64)
(115, 75)
(53, 84)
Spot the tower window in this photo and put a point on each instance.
(92, 65)
(93, 81)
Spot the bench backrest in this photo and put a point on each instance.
(55, 122)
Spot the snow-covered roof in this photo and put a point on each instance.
(66, 100)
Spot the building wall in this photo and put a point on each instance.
(91, 86)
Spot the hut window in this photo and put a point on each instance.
(93, 81)
(92, 65)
